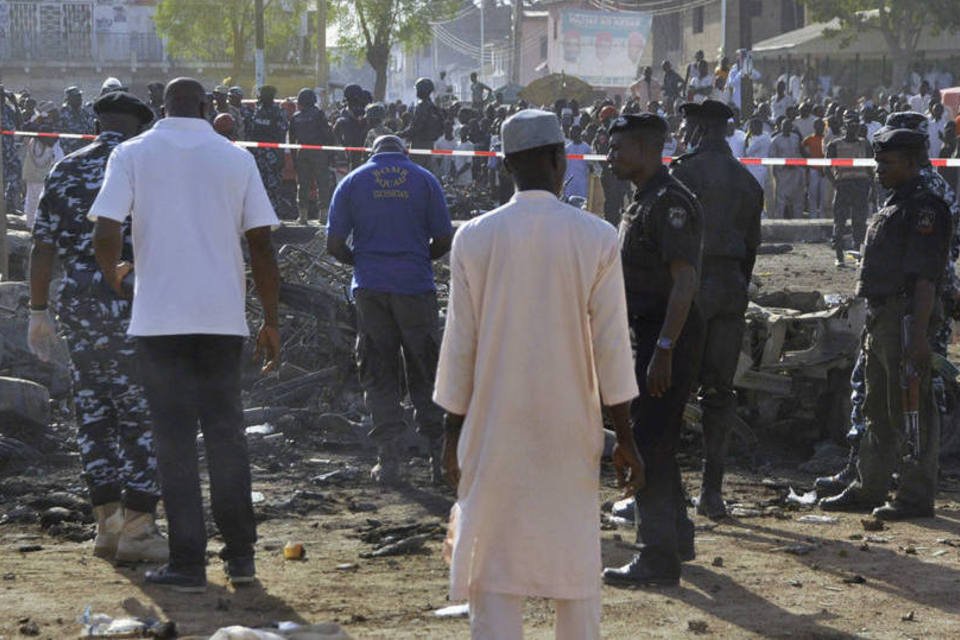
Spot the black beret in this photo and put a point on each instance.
(635, 122)
(907, 120)
(689, 109)
(889, 139)
(123, 102)
(714, 110)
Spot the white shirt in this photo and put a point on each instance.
(934, 129)
(459, 162)
(737, 142)
(919, 103)
(536, 335)
(446, 162)
(191, 194)
(779, 106)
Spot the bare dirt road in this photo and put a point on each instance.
(767, 573)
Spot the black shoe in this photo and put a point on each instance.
(847, 500)
(640, 573)
(896, 510)
(711, 505)
(240, 570)
(176, 580)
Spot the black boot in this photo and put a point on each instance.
(645, 570)
(832, 485)
(716, 426)
(847, 500)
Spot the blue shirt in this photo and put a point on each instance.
(393, 207)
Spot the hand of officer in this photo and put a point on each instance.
(121, 271)
(451, 466)
(631, 472)
(41, 335)
(268, 348)
(659, 372)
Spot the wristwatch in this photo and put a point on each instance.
(664, 343)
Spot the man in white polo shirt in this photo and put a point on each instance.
(191, 195)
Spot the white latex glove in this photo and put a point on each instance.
(41, 335)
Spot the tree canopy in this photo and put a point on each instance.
(224, 29)
(900, 22)
(370, 29)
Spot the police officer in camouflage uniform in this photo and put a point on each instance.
(12, 167)
(932, 180)
(660, 244)
(114, 436)
(732, 202)
(426, 126)
(309, 126)
(350, 130)
(74, 118)
(235, 98)
(268, 123)
(901, 276)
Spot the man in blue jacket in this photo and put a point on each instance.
(397, 215)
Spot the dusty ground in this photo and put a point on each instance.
(761, 576)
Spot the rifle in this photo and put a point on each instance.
(910, 397)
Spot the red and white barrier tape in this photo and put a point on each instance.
(590, 157)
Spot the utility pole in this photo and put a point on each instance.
(723, 28)
(482, 40)
(323, 68)
(4, 252)
(260, 71)
(517, 20)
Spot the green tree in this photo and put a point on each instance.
(901, 23)
(370, 29)
(208, 30)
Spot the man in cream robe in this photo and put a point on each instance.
(536, 338)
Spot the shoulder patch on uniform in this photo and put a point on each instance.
(677, 217)
(926, 219)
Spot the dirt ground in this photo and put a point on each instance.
(763, 574)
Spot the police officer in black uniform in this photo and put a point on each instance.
(902, 274)
(426, 126)
(660, 244)
(309, 126)
(732, 203)
(350, 130)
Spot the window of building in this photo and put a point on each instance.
(543, 47)
(698, 20)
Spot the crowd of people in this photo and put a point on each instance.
(631, 324)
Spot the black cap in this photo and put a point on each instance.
(907, 120)
(123, 102)
(888, 139)
(706, 110)
(72, 90)
(635, 122)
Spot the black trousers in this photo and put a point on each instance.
(657, 424)
(398, 335)
(191, 381)
(313, 167)
(850, 202)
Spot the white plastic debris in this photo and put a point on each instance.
(815, 519)
(453, 611)
(260, 429)
(808, 498)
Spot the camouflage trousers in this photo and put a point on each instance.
(114, 430)
(270, 166)
(12, 180)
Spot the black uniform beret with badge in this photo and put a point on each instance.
(125, 103)
(889, 139)
(636, 122)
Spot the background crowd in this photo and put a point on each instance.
(796, 114)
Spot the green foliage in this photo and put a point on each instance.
(212, 30)
(370, 28)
